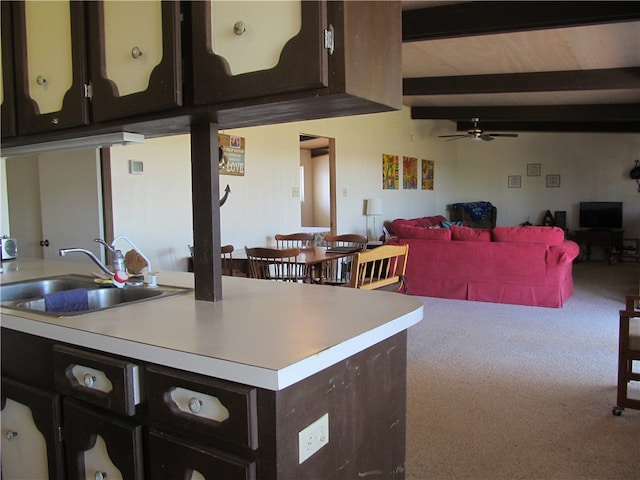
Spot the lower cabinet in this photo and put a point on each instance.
(31, 427)
(76, 413)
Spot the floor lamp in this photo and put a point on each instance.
(374, 209)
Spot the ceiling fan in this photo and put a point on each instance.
(476, 133)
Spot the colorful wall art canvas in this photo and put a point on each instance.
(427, 174)
(409, 173)
(390, 172)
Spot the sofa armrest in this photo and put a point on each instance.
(564, 253)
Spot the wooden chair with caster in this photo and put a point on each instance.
(381, 268)
(628, 354)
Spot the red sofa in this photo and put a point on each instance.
(516, 265)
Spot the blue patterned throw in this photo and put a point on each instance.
(477, 210)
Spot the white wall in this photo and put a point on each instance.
(592, 167)
(154, 209)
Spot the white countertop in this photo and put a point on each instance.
(263, 333)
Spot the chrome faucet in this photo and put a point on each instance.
(119, 272)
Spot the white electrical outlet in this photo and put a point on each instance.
(295, 192)
(345, 192)
(313, 438)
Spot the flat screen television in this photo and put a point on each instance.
(604, 215)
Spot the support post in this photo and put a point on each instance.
(205, 187)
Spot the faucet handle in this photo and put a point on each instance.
(107, 246)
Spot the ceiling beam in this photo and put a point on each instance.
(537, 113)
(558, 127)
(481, 18)
(600, 79)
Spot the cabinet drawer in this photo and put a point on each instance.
(98, 379)
(196, 403)
(171, 458)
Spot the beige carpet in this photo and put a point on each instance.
(512, 392)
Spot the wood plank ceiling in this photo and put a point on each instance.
(524, 66)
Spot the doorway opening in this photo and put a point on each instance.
(317, 183)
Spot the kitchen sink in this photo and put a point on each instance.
(29, 295)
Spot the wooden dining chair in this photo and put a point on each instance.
(294, 240)
(338, 271)
(628, 353)
(226, 257)
(381, 268)
(274, 263)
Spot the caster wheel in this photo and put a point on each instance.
(617, 411)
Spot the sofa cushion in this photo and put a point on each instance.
(409, 231)
(416, 222)
(545, 235)
(468, 234)
(430, 221)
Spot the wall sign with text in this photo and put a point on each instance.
(230, 155)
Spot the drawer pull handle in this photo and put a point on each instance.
(11, 435)
(195, 405)
(89, 380)
(100, 476)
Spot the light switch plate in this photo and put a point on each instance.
(313, 438)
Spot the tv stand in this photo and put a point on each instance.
(611, 240)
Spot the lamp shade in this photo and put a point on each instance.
(374, 206)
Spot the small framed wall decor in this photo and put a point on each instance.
(533, 170)
(553, 180)
(515, 181)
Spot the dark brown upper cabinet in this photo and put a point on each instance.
(50, 65)
(136, 62)
(7, 108)
(245, 50)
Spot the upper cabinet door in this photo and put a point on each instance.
(136, 65)
(249, 49)
(50, 65)
(7, 90)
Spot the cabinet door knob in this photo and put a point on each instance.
(136, 52)
(89, 380)
(100, 476)
(11, 435)
(41, 80)
(239, 27)
(195, 405)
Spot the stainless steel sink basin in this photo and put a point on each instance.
(42, 286)
(29, 295)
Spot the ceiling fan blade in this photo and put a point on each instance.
(459, 135)
(503, 134)
(486, 137)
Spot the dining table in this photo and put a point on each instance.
(314, 258)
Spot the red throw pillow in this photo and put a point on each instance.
(408, 231)
(545, 235)
(468, 234)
